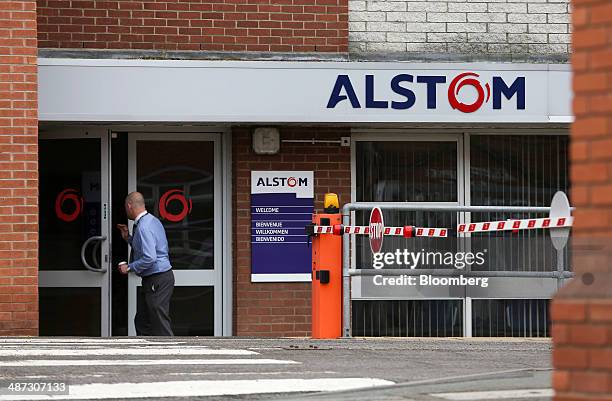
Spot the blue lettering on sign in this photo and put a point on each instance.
(370, 102)
(400, 90)
(344, 90)
(431, 82)
(343, 82)
(517, 88)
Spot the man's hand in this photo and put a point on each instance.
(123, 268)
(124, 231)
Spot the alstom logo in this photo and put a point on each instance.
(282, 181)
(498, 92)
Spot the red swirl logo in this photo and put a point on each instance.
(167, 198)
(292, 182)
(69, 195)
(458, 83)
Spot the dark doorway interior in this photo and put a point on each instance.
(119, 249)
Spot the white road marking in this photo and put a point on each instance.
(496, 395)
(142, 362)
(61, 341)
(148, 351)
(203, 388)
(302, 372)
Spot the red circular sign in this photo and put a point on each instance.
(377, 228)
(73, 196)
(164, 201)
(456, 85)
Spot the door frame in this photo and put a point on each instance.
(417, 135)
(401, 135)
(218, 276)
(464, 184)
(86, 278)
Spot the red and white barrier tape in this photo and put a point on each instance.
(512, 225)
(323, 229)
(486, 226)
(406, 231)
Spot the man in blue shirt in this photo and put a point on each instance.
(149, 260)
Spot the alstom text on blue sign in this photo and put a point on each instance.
(400, 84)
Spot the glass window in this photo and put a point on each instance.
(517, 170)
(177, 181)
(422, 318)
(510, 318)
(406, 171)
(70, 196)
(192, 310)
(73, 311)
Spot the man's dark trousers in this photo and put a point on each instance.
(153, 308)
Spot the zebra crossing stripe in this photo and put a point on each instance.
(142, 362)
(204, 388)
(495, 395)
(83, 342)
(145, 351)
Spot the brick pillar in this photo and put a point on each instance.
(280, 309)
(18, 169)
(582, 310)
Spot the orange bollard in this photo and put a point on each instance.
(327, 279)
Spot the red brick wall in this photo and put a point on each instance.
(582, 310)
(225, 25)
(18, 169)
(280, 309)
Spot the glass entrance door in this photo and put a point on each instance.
(179, 175)
(74, 273)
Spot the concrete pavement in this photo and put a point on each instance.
(287, 368)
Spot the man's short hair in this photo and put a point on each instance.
(135, 199)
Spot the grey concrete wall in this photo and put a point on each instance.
(460, 29)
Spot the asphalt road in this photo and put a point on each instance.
(279, 369)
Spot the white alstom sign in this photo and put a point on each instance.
(333, 92)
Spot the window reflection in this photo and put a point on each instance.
(70, 196)
(517, 170)
(192, 310)
(406, 171)
(83, 318)
(177, 181)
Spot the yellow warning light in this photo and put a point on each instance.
(331, 203)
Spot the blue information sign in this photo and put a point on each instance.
(282, 203)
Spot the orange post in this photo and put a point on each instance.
(327, 279)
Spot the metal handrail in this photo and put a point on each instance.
(457, 272)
